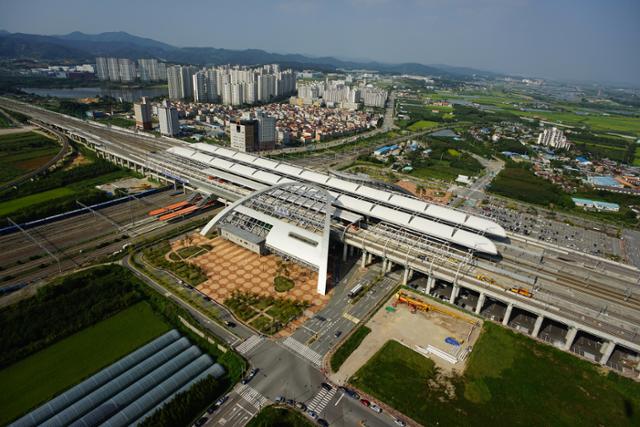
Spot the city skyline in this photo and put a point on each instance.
(586, 41)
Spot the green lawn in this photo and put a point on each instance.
(510, 380)
(422, 124)
(636, 159)
(43, 375)
(6, 208)
(348, 347)
(273, 416)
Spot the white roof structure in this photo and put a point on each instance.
(294, 218)
(433, 220)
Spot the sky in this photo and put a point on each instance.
(588, 40)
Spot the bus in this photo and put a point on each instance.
(356, 290)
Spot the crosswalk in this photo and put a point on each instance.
(249, 344)
(303, 351)
(321, 400)
(252, 396)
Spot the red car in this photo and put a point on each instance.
(365, 402)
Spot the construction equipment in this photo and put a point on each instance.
(485, 279)
(416, 304)
(521, 291)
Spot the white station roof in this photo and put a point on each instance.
(396, 209)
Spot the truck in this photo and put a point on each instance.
(521, 291)
(355, 291)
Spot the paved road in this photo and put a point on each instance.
(285, 370)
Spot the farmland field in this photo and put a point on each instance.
(422, 124)
(41, 376)
(7, 208)
(510, 380)
(23, 152)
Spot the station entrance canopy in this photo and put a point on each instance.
(292, 219)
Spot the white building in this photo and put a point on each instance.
(554, 138)
(199, 82)
(127, 70)
(179, 79)
(168, 117)
(373, 97)
(152, 70)
(102, 68)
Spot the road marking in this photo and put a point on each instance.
(321, 400)
(252, 396)
(351, 318)
(249, 344)
(339, 399)
(303, 351)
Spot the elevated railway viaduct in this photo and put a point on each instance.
(580, 295)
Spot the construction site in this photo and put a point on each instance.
(446, 335)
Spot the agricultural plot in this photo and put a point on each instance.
(23, 152)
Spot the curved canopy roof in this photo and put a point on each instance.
(400, 210)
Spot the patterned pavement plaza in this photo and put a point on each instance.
(230, 267)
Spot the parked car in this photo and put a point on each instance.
(337, 334)
(211, 409)
(230, 324)
(280, 399)
(399, 422)
(201, 421)
(326, 386)
(220, 401)
(375, 408)
(291, 402)
(301, 406)
(312, 414)
(322, 422)
(365, 402)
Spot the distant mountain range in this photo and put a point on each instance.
(80, 47)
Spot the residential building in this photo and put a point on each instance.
(114, 69)
(142, 112)
(244, 135)
(102, 68)
(152, 70)
(127, 70)
(553, 137)
(179, 79)
(373, 97)
(168, 117)
(199, 81)
(266, 131)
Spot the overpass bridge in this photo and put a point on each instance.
(578, 293)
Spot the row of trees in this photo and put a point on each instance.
(57, 311)
(181, 410)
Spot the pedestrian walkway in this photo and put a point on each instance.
(321, 400)
(303, 351)
(252, 396)
(249, 344)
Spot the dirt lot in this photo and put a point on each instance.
(414, 330)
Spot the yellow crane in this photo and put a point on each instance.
(416, 304)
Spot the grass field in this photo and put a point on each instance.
(273, 416)
(43, 375)
(23, 152)
(510, 380)
(348, 347)
(7, 208)
(422, 124)
(636, 159)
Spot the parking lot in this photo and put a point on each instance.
(588, 240)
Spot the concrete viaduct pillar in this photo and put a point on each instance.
(408, 273)
(369, 258)
(430, 282)
(480, 303)
(507, 315)
(345, 249)
(571, 335)
(537, 326)
(363, 260)
(607, 352)
(454, 293)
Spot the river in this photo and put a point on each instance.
(130, 95)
